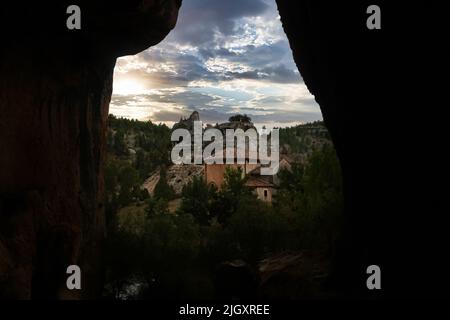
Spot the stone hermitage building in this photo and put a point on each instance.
(264, 186)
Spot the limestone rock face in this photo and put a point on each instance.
(194, 116)
(177, 175)
(188, 123)
(55, 88)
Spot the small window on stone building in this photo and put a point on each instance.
(265, 193)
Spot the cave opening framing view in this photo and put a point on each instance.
(213, 230)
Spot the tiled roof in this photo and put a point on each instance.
(261, 181)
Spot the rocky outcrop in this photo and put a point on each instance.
(55, 88)
(177, 175)
(188, 123)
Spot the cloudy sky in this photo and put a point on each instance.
(222, 58)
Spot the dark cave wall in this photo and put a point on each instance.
(319, 43)
(376, 90)
(345, 66)
(55, 89)
(51, 186)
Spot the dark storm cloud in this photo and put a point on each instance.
(260, 56)
(287, 117)
(306, 101)
(187, 98)
(207, 53)
(168, 115)
(207, 26)
(201, 19)
(190, 68)
(279, 74)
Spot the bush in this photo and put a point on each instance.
(258, 230)
(196, 201)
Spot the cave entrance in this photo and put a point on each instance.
(223, 61)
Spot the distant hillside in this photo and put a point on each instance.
(166, 222)
(302, 140)
(145, 145)
(149, 144)
(138, 150)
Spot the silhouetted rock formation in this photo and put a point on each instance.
(367, 85)
(188, 123)
(321, 36)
